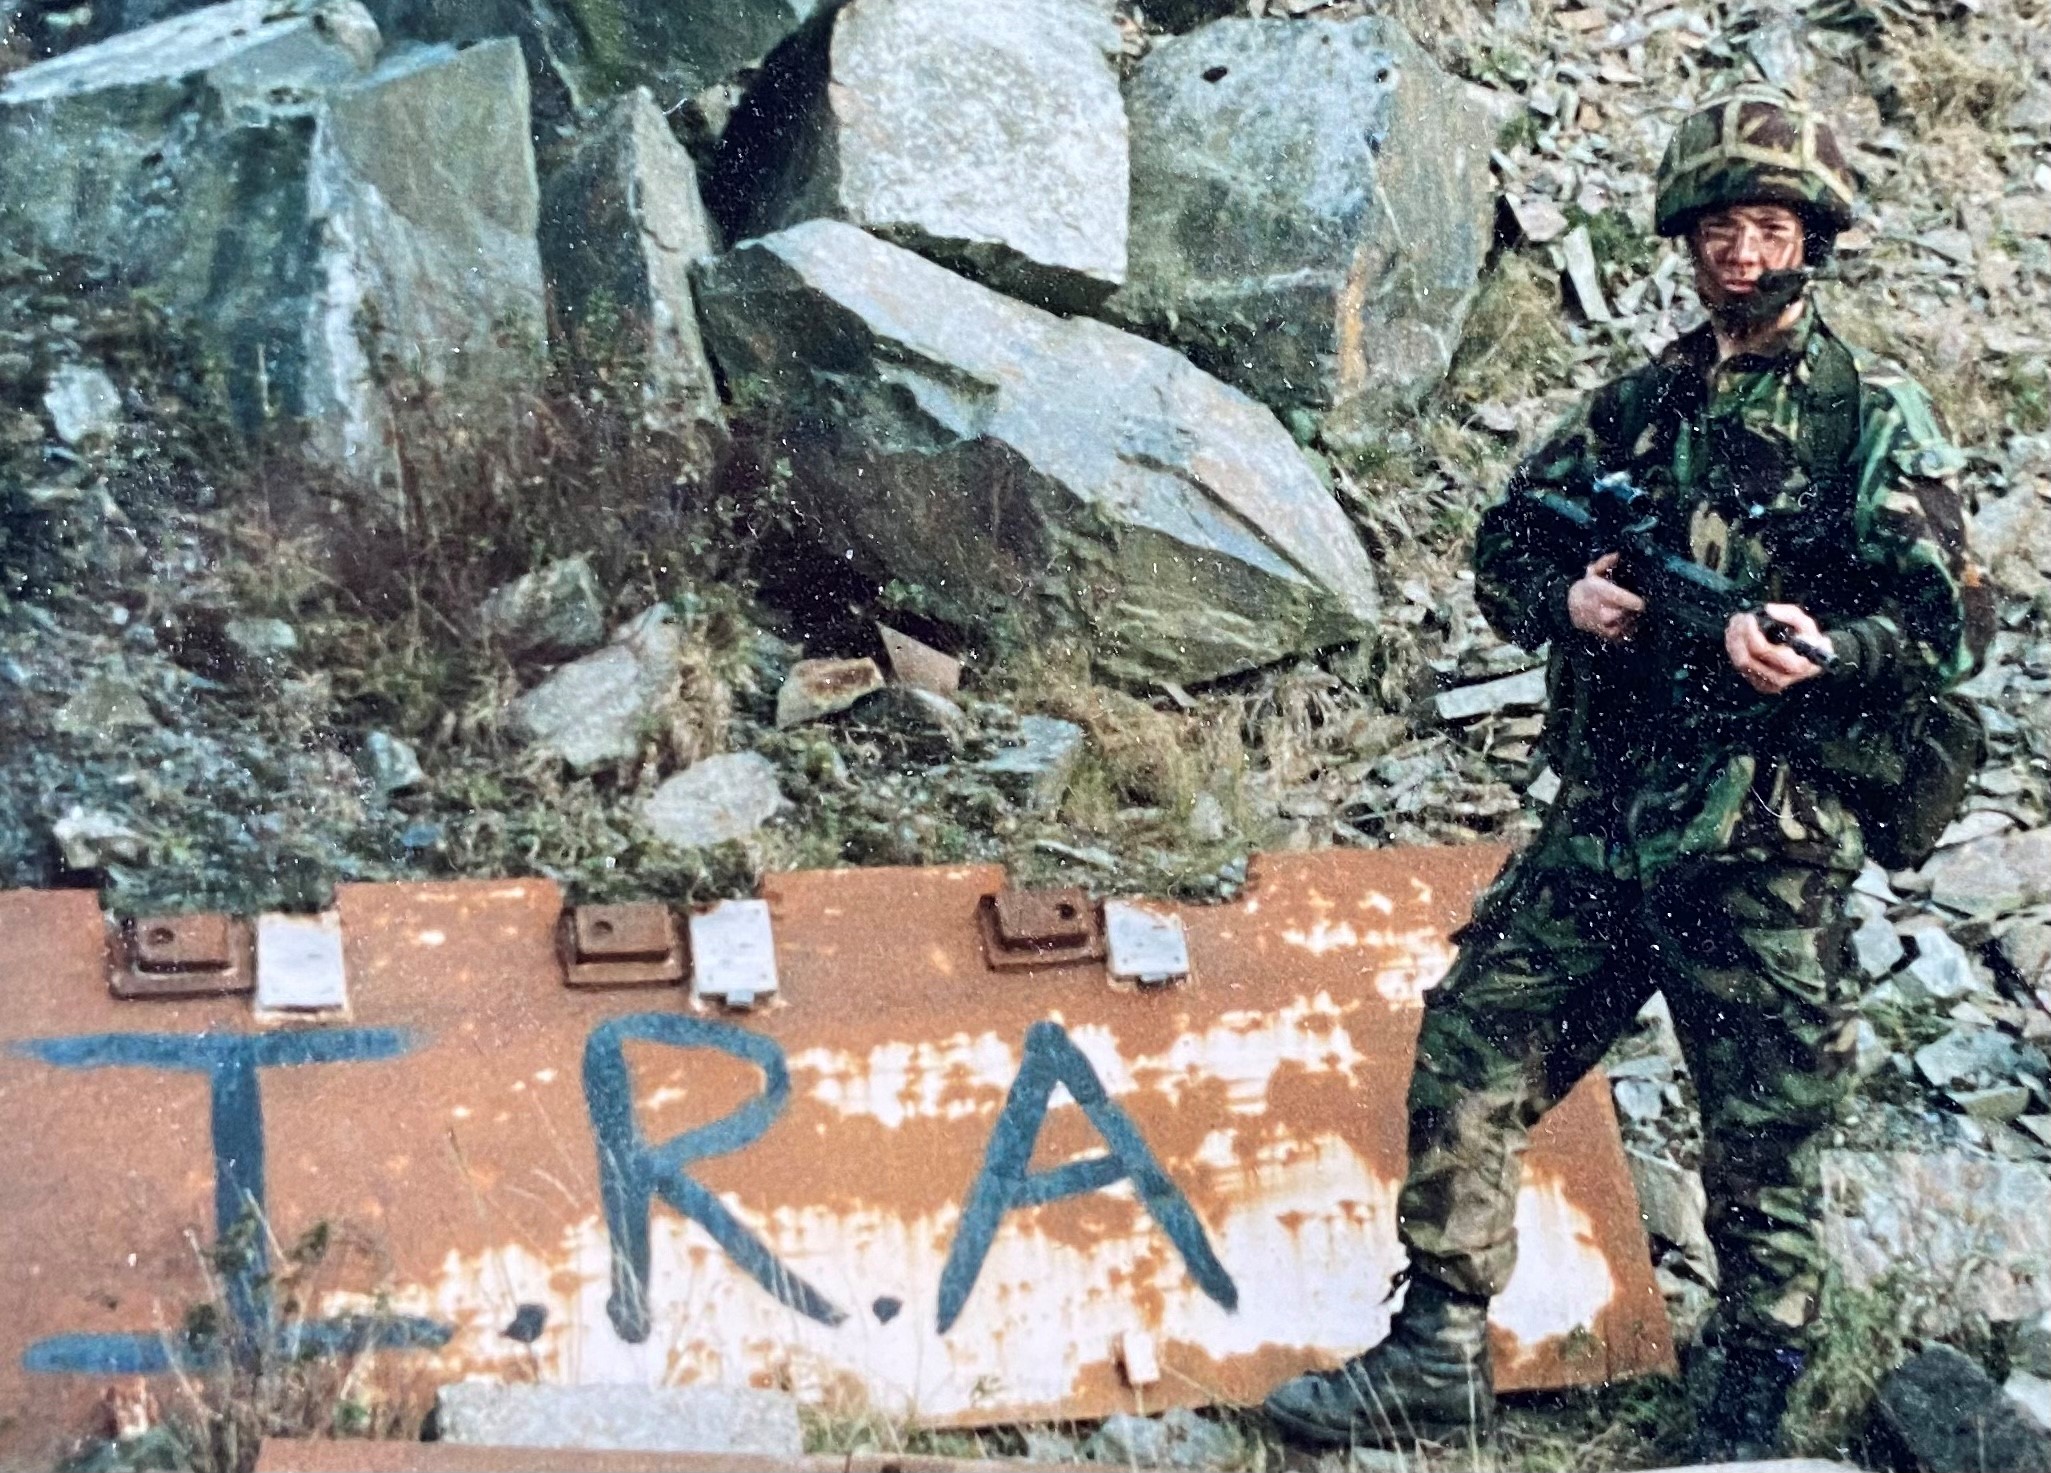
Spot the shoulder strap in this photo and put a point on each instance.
(1832, 413)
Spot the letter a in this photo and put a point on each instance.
(1006, 1180)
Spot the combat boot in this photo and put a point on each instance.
(1429, 1381)
(1741, 1394)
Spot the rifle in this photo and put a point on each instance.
(1676, 589)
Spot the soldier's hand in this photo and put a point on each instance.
(1599, 607)
(1771, 668)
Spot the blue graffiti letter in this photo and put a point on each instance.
(631, 1171)
(1007, 1181)
(230, 1061)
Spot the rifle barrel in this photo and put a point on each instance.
(1784, 634)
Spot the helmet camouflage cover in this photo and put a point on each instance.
(1754, 147)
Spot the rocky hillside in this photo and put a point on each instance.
(588, 439)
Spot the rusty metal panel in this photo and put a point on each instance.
(908, 1181)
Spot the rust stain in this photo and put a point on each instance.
(1269, 1089)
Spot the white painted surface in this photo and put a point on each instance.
(733, 953)
(1146, 945)
(299, 964)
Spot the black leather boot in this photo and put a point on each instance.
(1429, 1381)
(1740, 1394)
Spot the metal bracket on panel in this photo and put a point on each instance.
(1147, 946)
(637, 945)
(209, 955)
(1039, 928)
(733, 954)
(1139, 1359)
(299, 967)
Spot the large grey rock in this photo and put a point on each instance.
(596, 711)
(579, 52)
(716, 800)
(1311, 207)
(1035, 771)
(1031, 473)
(105, 702)
(2032, 1394)
(1963, 1236)
(1875, 942)
(1976, 1058)
(1946, 1415)
(390, 764)
(240, 46)
(668, 1419)
(1179, 1438)
(816, 688)
(336, 234)
(675, 50)
(2027, 948)
(108, 18)
(990, 137)
(1943, 969)
(1993, 876)
(82, 403)
(621, 223)
(1673, 1205)
(90, 839)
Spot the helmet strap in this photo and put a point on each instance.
(1775, 292)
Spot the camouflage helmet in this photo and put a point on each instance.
(1754, 147)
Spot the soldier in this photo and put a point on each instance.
(1703, 841)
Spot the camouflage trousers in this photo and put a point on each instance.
(1752, 955)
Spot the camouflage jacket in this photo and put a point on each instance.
(1807, 475)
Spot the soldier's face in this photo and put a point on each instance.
(1733, 248)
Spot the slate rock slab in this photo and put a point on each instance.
(715, 800)
(1031, 474)
(335, 231)
(597, 710)
(1976, 1232)
(621, 223)
(1946, 1415)
(816, 688)
(555, 610)
(1311, 208)
(82, 403)
(989, 137)
(1035, 772)
(1993, 876)
(600, 48)
(668, 1419)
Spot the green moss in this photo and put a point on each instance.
(1617, 240)
(1860, 1337)
(1521, 131)
(2028, 389)
(608, 41)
